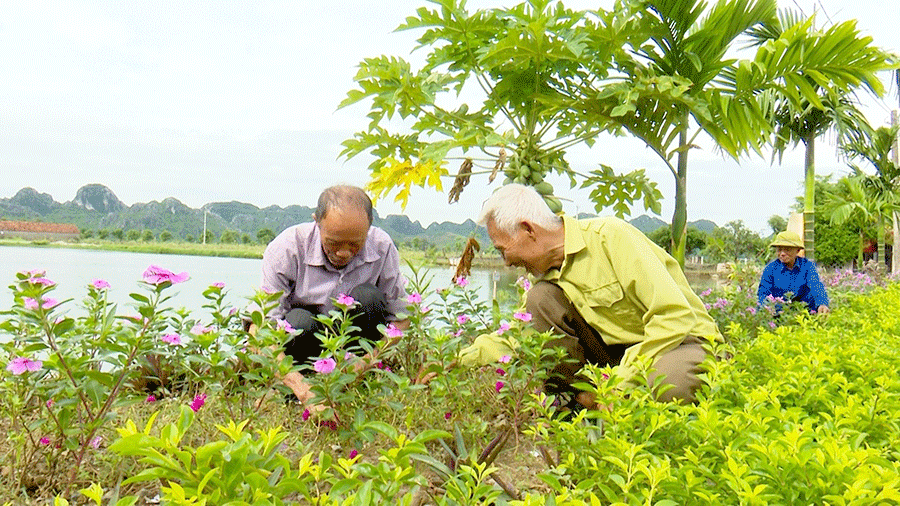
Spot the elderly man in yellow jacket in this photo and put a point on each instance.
(610, 293)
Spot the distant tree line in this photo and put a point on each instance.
(263, 236)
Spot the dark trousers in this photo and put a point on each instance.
(584, 344)
(369, 312)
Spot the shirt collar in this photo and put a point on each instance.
(574, 243)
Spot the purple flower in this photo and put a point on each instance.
(393, 331)
(345, 300)
(19, 365)
(504, 359)
(706, 292)
(461, 282)
(523, 316)
(151, 398)
(524, 283)
(447, 415)
(751, 310)
(772, 325)
(100, 284)
(414, 298)
(198, 402)
(353, 453)
(503, 328)
(462, 319)
(156, 275)
(96, 441)
(44, 441)
(348, 356)
(305, 414)
(174, 339)
(218, 284)
(501, 372)
(498, 386)
(325, 365)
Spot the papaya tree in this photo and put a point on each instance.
(525, 71)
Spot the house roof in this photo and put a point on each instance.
(33, 226)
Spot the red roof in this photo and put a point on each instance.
(32, 226)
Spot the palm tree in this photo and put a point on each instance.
(731, 100)
(851, 202)
(884, 186)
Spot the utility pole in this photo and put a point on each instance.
(205, 212)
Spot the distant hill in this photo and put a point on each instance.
(95, 207)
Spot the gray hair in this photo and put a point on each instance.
(512, 204)
(343, 197)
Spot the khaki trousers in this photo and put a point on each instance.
(550, 309)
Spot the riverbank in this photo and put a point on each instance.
(414, 256)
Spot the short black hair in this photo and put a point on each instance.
(343, 197)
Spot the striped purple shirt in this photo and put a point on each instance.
(295, 264)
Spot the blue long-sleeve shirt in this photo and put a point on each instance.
(802, 281)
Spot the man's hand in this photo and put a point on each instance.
(297, 383)
(823, 309)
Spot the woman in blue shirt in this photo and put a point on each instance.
(792, 273)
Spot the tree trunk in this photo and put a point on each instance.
(895, 157)
(881, 239)
(860, 258)
(679, 218)
(809, 200)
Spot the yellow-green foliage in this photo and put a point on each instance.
(801, 415)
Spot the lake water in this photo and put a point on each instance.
(74, 269)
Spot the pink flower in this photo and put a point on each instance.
(171, 339)
(706, 292)
(156, 275)
(285, 326)
(751, 310)
(462, 319)
(44, 441)
(458, 333)
(525, 317)
(198, 329)
(19, 365)
(504, 359)
(198, 402)
(34, 273)
(353, 453)
(447, 415)
(96, 442)
(49, 403)
(523, 281)
(100, 284)
(30, 303)
(41, 281)
(772, 325)
(305, 414)
(349, 356)
(345, 300)
(393, 331)
(503, 328)
(151, 398)
(462, 282)
(414, 298)
(498, 386)
(331, 424)
(49, 302)
(325, 365)
(218, 284)
(501, 372)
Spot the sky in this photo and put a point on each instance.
(237, 100)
